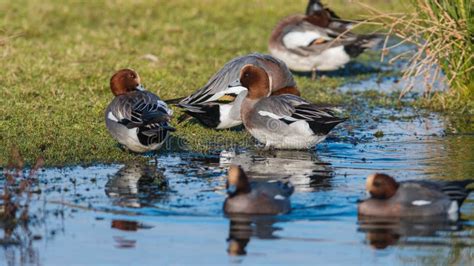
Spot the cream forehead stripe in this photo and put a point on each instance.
(233, 174)
(370, 180)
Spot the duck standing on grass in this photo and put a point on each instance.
(217, 104)
(136, 118)
(284, 121)
(416, 198)
(245, 197)
(318, 40)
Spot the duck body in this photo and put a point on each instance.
(217, 104)
(255, 197)
(136, 118)
(264, 198)
(316, 41)
(282, 121)
(419, 199)
(288, 121)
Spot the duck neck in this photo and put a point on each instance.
(287, 90)
(247, 108)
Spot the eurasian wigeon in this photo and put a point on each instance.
(246, 197)
(417, 198)
(283, 121)
(136, 118)
(326, 17)
(317, 41)
(217, 104)
(136, 184)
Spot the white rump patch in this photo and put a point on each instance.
(293, 40)
(333, 58)
(227, 118)
(112, 117)
(453, 211)
(279, 197)
(420, 202)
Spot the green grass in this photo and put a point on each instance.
(57, 58)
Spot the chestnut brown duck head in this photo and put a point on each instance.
(125, 80)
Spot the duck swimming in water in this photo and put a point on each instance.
(254, 197)
(414, 198)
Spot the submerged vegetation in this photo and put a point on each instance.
(56, 61)
(16, 196)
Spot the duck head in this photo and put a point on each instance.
(313, 6)
(256, 80)
(125, 80)
(381, 186)
(237, 181)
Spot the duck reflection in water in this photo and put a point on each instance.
(243, 227)
(302, 168)
(382, 232)
(136, 185)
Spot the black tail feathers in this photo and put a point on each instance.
(174, 101)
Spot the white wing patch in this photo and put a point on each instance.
(420, 202)
(275, 116)
(112, 117)
(293, 40)
(279, 197)
(231, 90)
(271, 115)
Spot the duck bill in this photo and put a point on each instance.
(235, 83)
(140, 87)
(235, 87)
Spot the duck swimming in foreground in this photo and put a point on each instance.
(283, 121)
(245, 197)
(318, 40)
(136, 118)
(217, 104)
(417, 198)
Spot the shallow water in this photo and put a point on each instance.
(171, 213)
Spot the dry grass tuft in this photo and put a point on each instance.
(442, 31)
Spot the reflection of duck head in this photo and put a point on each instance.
(303, 168)
(243, 227)
(135, 183)
(382, 232)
